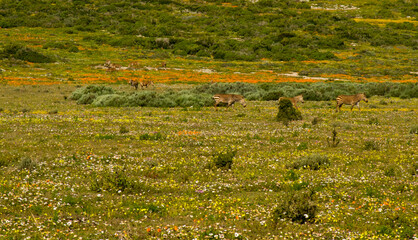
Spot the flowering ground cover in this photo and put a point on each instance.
(80, 172)
(77, 60)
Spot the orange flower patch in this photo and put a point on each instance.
(185, 132)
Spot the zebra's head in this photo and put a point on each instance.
(363, 97)
(299, 98)
(243, 103)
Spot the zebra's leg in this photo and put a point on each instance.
(216, 104)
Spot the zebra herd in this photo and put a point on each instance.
(231, 99)
(352, 100)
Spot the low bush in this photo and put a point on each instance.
(101, 96)
(371, 145)
(334, 140)
(313, 161)
(287, 112)
(297, 206)
(86, 95)
(201, 95)
(24, 53)
(123, 129)
(116, 180)
(27, 163)
(224, 159)
(109, 100)
(155, 136)
(414, 168)
(413, 129)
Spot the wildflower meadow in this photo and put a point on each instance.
(75, 171)
(85, 155)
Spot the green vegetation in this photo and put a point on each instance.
(287, 112)
(298, 206)
(201, 95)
(228, 30)
(202, 172)
(314, 162)
(23, 53)
(224, 159)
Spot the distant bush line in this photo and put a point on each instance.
(200, 96)
(101, 96)
(310, 91)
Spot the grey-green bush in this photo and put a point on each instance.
(313, 162)
(297, 206)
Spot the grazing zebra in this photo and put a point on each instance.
(111, 67)
(134, 84)
(350, 100)
(134, 65)
(146, 83)
(230, 99)
(294, 100)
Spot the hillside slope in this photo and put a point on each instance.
(228, 30)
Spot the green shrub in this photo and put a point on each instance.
(24, 53)
(391, 170)
(287, 112)
(224, 159)
(27, 163)
(414, 168)
(413, 129)
(371, 145)
(155, 136)
(374, 121)
(93, 89)
(109, 100)
(3, 162)
(87, 95)
(186, 99)
(142, 98)
(291, 176)
(123, 129)
(334, 141)
(302, 146)
(116, 180)
(313, 162)
(315, 121)
(297, 206)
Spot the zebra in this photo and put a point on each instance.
(294, 100)
(350, 100)
(134, 84)
(146, 83)
(230, 99)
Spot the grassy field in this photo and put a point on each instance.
(73, 171)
